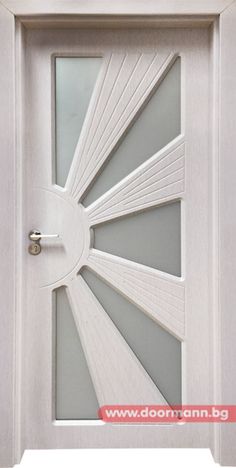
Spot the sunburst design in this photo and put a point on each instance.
(125, 84)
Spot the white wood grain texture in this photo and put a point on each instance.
(7, 239)
(159, 295)
(81, 434)
(20, 234)
(116, 21)
(125, 84)
(214, 234)
(118, 376)
(225, 358)
(39, 432)
(160, 179)
(141, 7)
(227, 135)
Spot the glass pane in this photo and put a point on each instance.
(152, 238)
(75, 81)
(75, 395)
(158, 123)
(157, 350)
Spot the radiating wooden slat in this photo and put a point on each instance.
(159, 179)
(118, 376)
(125, 83)
(159, 295)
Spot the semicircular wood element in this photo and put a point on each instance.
(159, 295)
(159, 179)
(118, 376)
(125, 83)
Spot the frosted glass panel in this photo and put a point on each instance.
(75, 81)
(157, 350)
(152, 238)
(158, 123)
(75, 395)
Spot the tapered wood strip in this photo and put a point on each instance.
(126, 81)
(118, 376)
(159, 295)
(159, 179)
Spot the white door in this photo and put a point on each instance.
(116, 165)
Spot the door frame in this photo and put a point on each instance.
(220, 16)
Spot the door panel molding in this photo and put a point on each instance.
(162, 7)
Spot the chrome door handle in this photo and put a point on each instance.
(35, 236)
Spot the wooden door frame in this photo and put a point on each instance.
(220, 16)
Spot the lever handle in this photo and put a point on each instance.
(36, 235)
